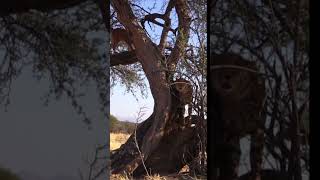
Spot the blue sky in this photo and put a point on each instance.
(125, 106)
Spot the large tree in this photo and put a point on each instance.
(160, 139)
(54, 35)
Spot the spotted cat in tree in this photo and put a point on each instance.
(238, 95)
(120, 35)
(182, 90)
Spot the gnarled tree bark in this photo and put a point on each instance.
(178, 147)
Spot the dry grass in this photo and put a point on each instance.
(117, 139)
(157, 177)
(124, 177)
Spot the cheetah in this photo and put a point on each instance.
(239, 95)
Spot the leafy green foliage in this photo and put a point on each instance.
(117, 126)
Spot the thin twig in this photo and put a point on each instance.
(141, 113)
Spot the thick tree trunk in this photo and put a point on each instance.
(150, 58)
(178, 146)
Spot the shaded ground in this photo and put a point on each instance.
(117, 139)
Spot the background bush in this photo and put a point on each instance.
(117, 126)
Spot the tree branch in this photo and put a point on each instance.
(183, 33)
(124, 58)
(152, 18)
(167, 25)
